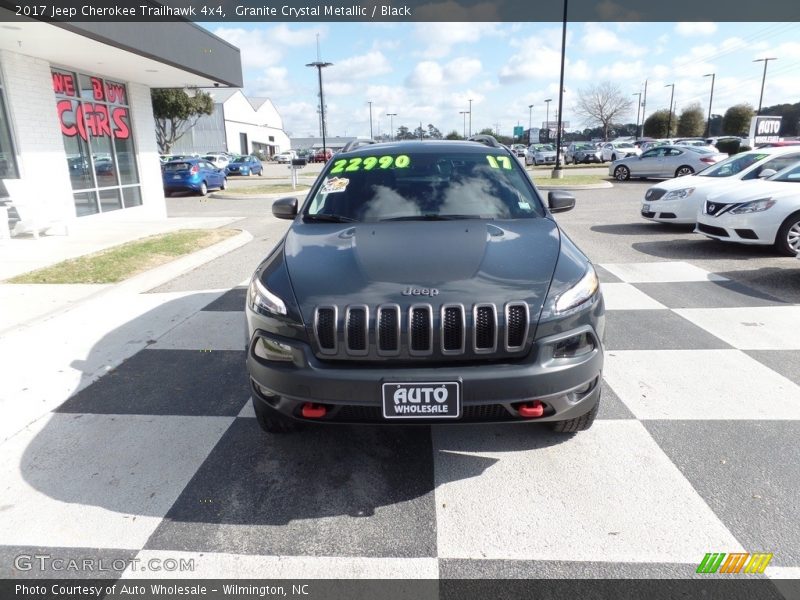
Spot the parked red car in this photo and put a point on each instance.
(320, 156)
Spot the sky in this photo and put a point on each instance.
(427, 72)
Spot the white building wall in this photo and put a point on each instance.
(37, 133)
(154, 204)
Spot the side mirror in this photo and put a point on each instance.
(766, 173)
(560, 201)
(284, 208)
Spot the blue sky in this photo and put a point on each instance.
(428, 71)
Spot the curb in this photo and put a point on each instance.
(274, 195)
(149, 279)
(589, 186)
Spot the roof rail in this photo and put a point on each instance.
(356, 143)
(487, 140)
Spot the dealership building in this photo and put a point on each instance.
(77, 134)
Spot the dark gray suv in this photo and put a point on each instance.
(425, 282)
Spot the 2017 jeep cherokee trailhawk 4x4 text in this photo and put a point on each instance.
(425, 282)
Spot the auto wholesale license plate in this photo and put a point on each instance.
(426, 400)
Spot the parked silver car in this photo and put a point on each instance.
(582, 152)
(614, 150)
(665, 162)
(540, 154)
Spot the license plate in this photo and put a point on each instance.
(176, 176)
(425, 400)
(645, 208)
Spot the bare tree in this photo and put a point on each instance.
(602, 105)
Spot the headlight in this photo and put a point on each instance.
(261, 300)
(679, 194)
(274, 350)
(579, 293)
(754, 206)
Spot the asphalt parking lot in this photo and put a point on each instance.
(694, 450)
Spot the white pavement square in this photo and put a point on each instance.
(699, 384)
(583, 498)
(99, 481)
(660, 272)
(623, 296)
(206, 330)
(755, 328)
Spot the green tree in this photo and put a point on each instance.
(603, 104)
(736, 120)
(453, 135)
(176, 112)
(403, 133)
(434, 132)
(656, 124)
(692, 121)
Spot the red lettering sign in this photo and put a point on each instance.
(121, 129)
(63, 83)
(97, 88)
(65, 106)
(115, 92)
(85, 119)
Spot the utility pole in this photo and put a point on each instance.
(391, 123)
(644, 106)
(710, 100)
(470, 117)
(530, 122)
(763, 79)
(557, 169)
(547, 118)
(638, 106)
(370, 119)
(669, 119)
(464, 113)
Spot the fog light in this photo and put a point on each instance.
(577, 345)
(268, 349)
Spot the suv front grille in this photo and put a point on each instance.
(451, 330)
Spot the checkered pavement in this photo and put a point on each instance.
(695, 450)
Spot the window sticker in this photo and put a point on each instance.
(499, 162)
(368, 163)
(334, 185)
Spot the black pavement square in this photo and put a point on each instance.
(169, 382)
(606, 276)
(231, 301)
(656, 330)
(784, 362)
(707, 294)
(748, 472)
(611, 407)
(324, 491)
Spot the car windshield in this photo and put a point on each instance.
(424, 186)
(583, 146)
(791, 174)
(733, 165)
(239, 159)
(544, 148)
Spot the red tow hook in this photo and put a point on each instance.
(531, 410)
(313, 411)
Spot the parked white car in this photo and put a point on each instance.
(218, 159)
(614, 150)
(762, 212)
(286, 157)
(678, 200)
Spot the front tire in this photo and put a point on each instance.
(683, 171)
(577, 424)
(271, 421)
(622, 173)
(787, 242)
(224, 184)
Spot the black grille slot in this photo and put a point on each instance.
(486, 412)
(388, 329)
(715, 208)
(746, 234)
(485, 327)
(357, 329)
(326, 328)
(654, 194)
(453, 329)
(718, 231)
(420, 329)
(516, 325)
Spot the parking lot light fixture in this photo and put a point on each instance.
(391, 123)
(464, 113)
(638, 107)
(547, 117)
(763, 79)
(710, 100)
(669, 118)
(470, 117)
(557, 173)
(319, 65)
(530, 121)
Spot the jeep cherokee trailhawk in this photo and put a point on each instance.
(425, 282)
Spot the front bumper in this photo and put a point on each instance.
(491, 391)
(759, 229)
(682, 211)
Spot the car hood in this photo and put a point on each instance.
(748, 191)
(696, 181)
(466, 261)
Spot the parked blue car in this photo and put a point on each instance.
(192, 175)
(245, 165)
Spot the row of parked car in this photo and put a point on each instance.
(198, 174)
(749, 198)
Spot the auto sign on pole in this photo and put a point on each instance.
(297, 163)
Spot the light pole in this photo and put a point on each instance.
(470, 117)
(391, 123)
(763, 79)
(547, 118)
(370, 118)
(557, 169)
(638, 106)
(530, 121)
(644, 106)
(319, 66)
(464, 113)
(710, 100)
(669, 119)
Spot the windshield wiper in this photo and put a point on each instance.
(329, 218)
(432, 217)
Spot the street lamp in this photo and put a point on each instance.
(470, 117)
(638, 107)
(557, 169)
(391, 123)
(319, 66)
(547, 118)
(669, 119)
(370, 118)
(763, 79)
(464, 112)
(710, 100)
(530, 121)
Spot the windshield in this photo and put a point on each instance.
(732, 165)
(543, 148)
(792, 174)
(424, 186)
(239, 159)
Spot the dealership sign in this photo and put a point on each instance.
(764, 130)
(91, 112)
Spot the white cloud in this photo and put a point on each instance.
(427, 73)
(462, 69)
(271, 82)
(599, 39)
(439, 38)
(689, 29)
(623, 70)
(257, 49)
(364, 66)
(285, 35)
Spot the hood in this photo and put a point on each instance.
(466, 261)
(747, 191)
(695, 181)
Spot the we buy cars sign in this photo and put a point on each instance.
(764, 130)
